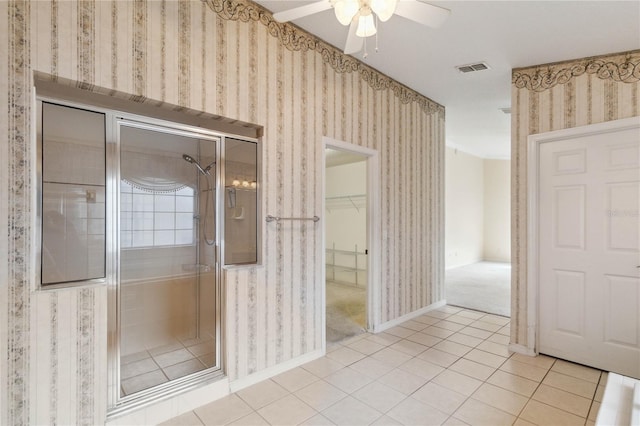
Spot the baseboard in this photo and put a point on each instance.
(267, 373)
(397, 321)
(521, 349)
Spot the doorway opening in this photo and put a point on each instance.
(350, 243)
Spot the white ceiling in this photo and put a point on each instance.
(504, 34)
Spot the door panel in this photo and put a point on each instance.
(588, 234)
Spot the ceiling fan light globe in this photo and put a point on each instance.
(345, 10)
(384, 8)
(366, 26)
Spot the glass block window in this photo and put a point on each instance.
(156, 219)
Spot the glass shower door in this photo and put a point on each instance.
(167, 293)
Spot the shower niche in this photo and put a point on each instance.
(153, 209)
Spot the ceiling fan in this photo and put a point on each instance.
(362, 15)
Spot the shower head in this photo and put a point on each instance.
(193, 161)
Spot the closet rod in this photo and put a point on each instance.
(270, 218)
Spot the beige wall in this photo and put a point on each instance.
(497, 210)
(236, 63)
(464, 207)
(554, 97)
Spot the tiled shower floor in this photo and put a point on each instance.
(451, 366)
(143, 370)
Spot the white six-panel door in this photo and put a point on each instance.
(588, 250)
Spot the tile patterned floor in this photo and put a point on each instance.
(448, 367)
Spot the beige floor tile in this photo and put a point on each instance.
(143, 381)
(457, 382)
(450, 309)
(184, 368)
(356, 338)
(449, 325)
(599, 393)
(173, 357)
(506, 330)
(437, 314)
(485, 358)
(203, 348)
(452, 421)
(253, 419)
(487, 326)
(413, 412)
(496, 319)
(400, 331)
(476, 332)
(593, 412)
(414, 325)
(421, 368)
(223, 411)
(478, 413)
(494, 348)
(500, 398)
(348, 380)
(472, 369)
(475, 315)
(461, 319)
(366, 347)
(541, 361)
(126, 359)
(576, 370)
(513, 383)
(372, 367)
(385, 339)
(295, 379)
(435, 356)
(439, 397)
(543, 414)
(186, 419)
(521, 422)
(426, 319)
(322, 367)
(570, 384)
(351, 412)
(563, 400)
(317, 420)
(262, 393)
(379, 396)
(521, 369)
(453, 348)
(437, 332)
(424, 339)
(136, 368)
(499, 338)
(386, 421)
(166, 348)
(409, 347)
(391, 356)
(464, 339)
(403, 381)
(346, 356)
(320, 395)
(287, 411)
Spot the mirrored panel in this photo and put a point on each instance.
(241, 202)
(73, 194)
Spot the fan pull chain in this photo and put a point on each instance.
(365, 54)
(377, 29)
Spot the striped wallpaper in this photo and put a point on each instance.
(227, 59)
(554, 97)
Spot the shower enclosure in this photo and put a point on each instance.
(168, 297)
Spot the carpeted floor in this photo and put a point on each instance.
(345, 311)
(483, 286)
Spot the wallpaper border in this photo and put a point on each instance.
(295, 38)
(623, 67)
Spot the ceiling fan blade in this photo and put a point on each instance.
(422, 13)
(354, 43)
(302, 11)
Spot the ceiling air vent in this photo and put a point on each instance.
(473, 67)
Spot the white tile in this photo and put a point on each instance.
(143, 381)
(372, 367)
(253, 419)
(449, 325)
(317, 420)
(485, 358)
(383, 338)
(320, 395)
(183, 369)
(400, 331)
(386, 421)
(187, 419)
(348, 380)
(437, 396)
(513, 383)
(136, 368)
(576, 370)
(223, 411)
(351, 412)
(414, 325)
(527, 371)
(366, 347)
(457, 382)
(438, 332)
(409, 347)
(543, 414)
(421, 368)
(502, 399)
(453, 348)
(262, 393)
(476, 332)
(424, 339)
(379, 396)
(173, 357)
(478, 413)
(494, 348)
(570, 384)
(564, 400)
(322, 367)
(402, 381)
(472, 369)
(435, 356)
(413, 412)
(289, 410)
(345, 356)
(391, 356)
(295, 379)
(464, 339)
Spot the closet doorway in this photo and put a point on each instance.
(347, 241)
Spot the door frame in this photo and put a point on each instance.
(373, 232)
(533, 165)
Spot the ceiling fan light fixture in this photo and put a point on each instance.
(366, 26)
(345, 10)
(384, 8)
